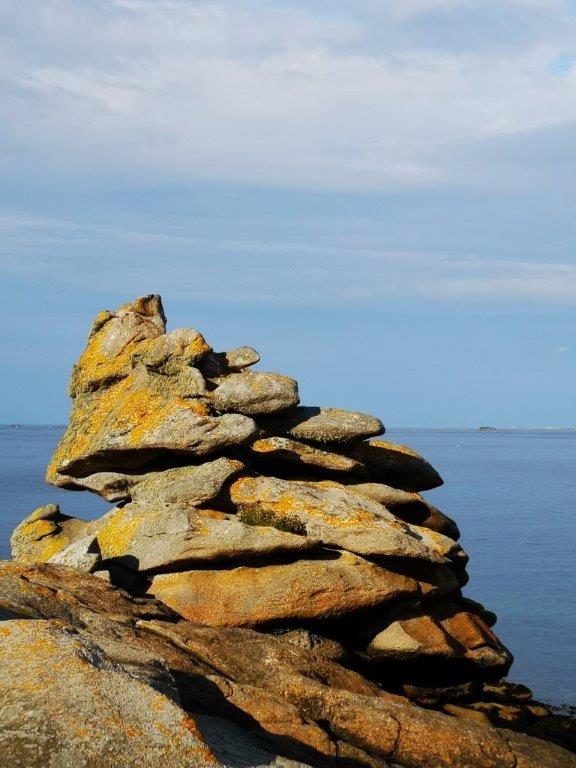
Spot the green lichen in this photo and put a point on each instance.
(287, 523)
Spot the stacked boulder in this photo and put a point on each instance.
(238, 507)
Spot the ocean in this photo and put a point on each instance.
(512, 492)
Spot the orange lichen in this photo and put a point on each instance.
(127, 407)
(214, 514)
(150, 412)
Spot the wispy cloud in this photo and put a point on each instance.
(266, 271)
(562, 349)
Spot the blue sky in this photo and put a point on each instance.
(378, 196)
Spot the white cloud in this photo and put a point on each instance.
(562, 349)
(259, 94)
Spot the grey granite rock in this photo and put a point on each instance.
(323, 425)
(255, 393)
(82, 554)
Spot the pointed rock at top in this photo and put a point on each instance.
(113, 338)
(138, 393)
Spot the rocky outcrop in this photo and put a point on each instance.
(90, 675)
(311, 598)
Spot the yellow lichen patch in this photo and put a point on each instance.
(121, 527)
(37, 529)
(97, 364)
(159, 703)
(150, 418)
(49, 546)
(89, 415)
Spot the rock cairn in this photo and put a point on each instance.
(237, 507)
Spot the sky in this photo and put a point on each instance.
(378, 196)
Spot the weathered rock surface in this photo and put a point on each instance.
(255, 393)
(324, 425)
(241, 509)
(338, 517)
(286, 450)
(397, 465)
(83, 554)
(327, 587)
(439, 629)
(92, 676)
(57, 708)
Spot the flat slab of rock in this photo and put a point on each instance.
(281, 450)
(396, 465)
(324, 425)
(408, 506)
(153, 537)
(190, 485)
(194, 484)
(443, 630)
(255, 393)
(338, 517)
(329, 586)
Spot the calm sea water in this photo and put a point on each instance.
(511, 492)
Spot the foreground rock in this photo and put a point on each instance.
(241, 509)
(114, 680)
